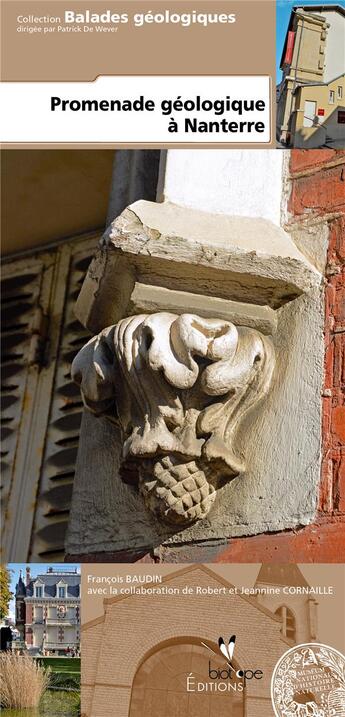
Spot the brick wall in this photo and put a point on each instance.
(318, 191)
(29, 614)
(332, 493)
(152, 621)
(318, 187)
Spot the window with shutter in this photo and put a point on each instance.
(20, 289)
(51, 517)
(26, 289)
(41, 407)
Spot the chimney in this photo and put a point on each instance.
(28, 576)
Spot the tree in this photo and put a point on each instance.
(5, 592)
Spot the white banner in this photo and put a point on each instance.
(150, 109)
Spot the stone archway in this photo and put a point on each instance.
(160, 684)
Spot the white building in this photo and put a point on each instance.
(48, 611)
(310, 101)
(335, 48)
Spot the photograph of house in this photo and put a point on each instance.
(47, 611)
(40, 658)
(311, 92)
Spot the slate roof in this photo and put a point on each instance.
(50, 582)
(280, 574)
(20, 587)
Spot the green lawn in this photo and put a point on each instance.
(70, 665)
(65, 671)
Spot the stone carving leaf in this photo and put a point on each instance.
(178, 386)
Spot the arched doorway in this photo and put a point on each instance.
(160, 684)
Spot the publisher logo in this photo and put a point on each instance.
(225, 678)
(227, 649)
(309, 681)
(229, 672)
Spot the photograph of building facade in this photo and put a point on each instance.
(140, 652)
(47, 612)
(203, 251)
(310, 96)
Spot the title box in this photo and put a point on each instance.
(188, 109)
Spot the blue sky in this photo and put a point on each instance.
(284, 8)
(36, 569)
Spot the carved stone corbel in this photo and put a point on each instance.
(212, 434)
(178, 386)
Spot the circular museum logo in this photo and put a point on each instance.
(309, 681)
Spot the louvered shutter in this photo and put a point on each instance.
(41, 406)
(63, 429)
(20, 290)
(26, 310)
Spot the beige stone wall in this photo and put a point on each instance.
(93, 643)
(310, 137)
(308, 61)
(299, 605)
(152, 621)
(257, 708)
(109, 701)
(310, 47)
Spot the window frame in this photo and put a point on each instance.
(286, 614)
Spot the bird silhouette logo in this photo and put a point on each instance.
(227, 649)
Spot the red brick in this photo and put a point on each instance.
(341, 484)
(305, 158)
(330, 297)
(315, 543)
(338, 424)
(336, 249)
(329, 366)
(326, 486)
(339, 307)
(318, 193)
(339, 361)
(327, 422)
